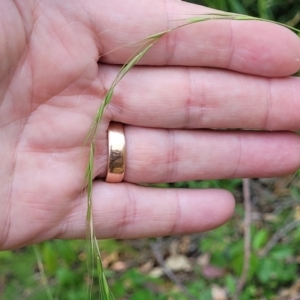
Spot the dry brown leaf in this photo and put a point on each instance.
(178, 263)
(218, 293)
(147, 267)
(292, 293)
(156, 272)
(203, 260)
(270, 217)
(119, 266)
(109, 259)
(297, 212)
(184, 244)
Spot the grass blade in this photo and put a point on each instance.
(44, 279)
(147, 43)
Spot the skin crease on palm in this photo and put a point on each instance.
(57, 61)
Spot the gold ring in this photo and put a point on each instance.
(116, 153)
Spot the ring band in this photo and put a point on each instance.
(116, 153)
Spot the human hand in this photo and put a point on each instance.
(51, 84)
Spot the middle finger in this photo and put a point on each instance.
(177, 97)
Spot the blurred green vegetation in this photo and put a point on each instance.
(284, 11)
(65, 261)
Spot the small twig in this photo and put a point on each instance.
(278, 235)
(156, 250)
(247, 238)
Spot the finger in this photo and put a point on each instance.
(203, 98)
(254, 47)
(12, 35)
(157, 155)
(128, 211)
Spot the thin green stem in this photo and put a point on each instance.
(147, 44)
(44, 279)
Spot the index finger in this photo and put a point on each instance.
(252, 47)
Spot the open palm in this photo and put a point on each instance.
(58, 59)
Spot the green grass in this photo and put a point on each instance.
(147, 43)
(65, 261)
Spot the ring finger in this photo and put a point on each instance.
(162, 155)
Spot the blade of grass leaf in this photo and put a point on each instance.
(105, 292)
(235, 5)
(90, 225)
(123, 71)
(44, 279)
(102, 278)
